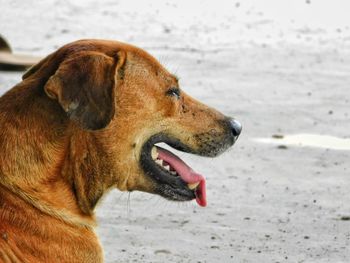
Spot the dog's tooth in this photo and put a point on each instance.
(173, 172)
(154, 153)
(159, 162)
(167, 167)
(193, 186)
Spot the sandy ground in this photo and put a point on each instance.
(279, 69)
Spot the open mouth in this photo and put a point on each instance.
(175, 180)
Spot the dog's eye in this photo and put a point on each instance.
(175, 92)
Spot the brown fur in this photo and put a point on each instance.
(72, 130)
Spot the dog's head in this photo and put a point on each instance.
(129, 102)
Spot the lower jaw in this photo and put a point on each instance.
(178, 195)
(185, 186)
(170, 188)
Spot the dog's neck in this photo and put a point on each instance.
(44, 158)
(84, 169)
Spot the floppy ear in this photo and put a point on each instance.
(84, 85)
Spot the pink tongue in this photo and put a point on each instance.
(186, 173)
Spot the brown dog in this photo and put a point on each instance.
(85, 120)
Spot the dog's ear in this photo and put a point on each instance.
(84, 85)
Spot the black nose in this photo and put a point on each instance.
(235, 126)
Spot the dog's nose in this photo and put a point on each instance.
(235, 126)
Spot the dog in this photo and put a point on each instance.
(84, 120)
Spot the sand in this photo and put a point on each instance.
(280, 69)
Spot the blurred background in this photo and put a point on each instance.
(281, 68)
